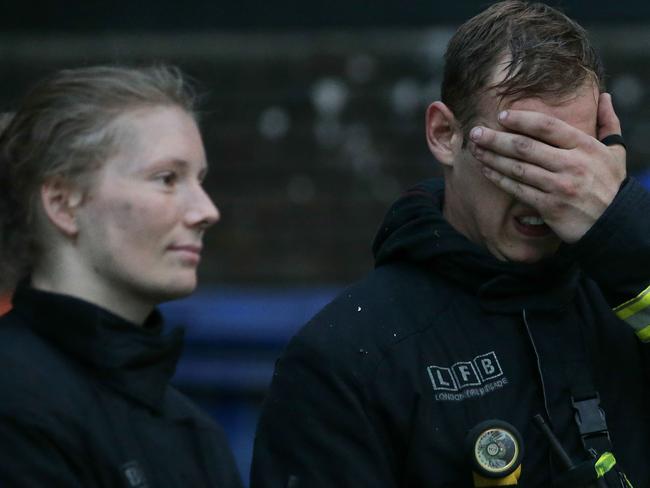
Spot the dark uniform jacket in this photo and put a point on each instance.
(85, 402)
(382, 386)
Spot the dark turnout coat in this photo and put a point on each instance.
(85, 402)
(381, 387)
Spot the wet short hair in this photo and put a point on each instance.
(64, 127)
(548, 55)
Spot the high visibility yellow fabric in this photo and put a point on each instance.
(604, 464)
(644, 334)
(635, 305)
(511, 480)
(636, 313)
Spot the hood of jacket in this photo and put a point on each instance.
(414, 230)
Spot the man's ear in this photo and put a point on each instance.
(444, 136)
(61, 199)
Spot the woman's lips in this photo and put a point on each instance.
(189, 252)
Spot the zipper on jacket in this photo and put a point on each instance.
(541, 379)
(539, 367)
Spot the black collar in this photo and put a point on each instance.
(415, 230)
(137, 361)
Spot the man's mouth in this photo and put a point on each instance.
(532, 226)
(530, 220)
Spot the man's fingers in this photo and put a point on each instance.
(529, 174)
(608, 125)
(522, 192)
(542, 127)
(608, 122)
(517, 146)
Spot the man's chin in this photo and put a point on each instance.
(530, 256)
(525, 253)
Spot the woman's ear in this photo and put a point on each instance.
(61, 199)
(444, 136)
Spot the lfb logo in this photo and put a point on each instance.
(464, 374)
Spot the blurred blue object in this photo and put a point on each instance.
(233, 338)
(644, 178)
(241, 316)
(234, 335)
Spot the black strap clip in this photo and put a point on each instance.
(591, 424)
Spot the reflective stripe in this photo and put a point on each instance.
(627, 482)
(644, 334)
(633, 306)
(636, 313)
(604, 464)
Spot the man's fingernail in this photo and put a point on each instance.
(476, 133)
(503, 115)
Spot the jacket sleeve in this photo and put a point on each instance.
(31, 456)
(615, 253)
(315, 430)
(220, 459)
